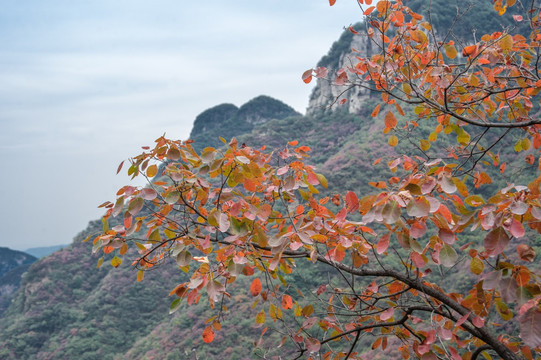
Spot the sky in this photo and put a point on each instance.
(85, 84)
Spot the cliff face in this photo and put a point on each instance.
(325, 96)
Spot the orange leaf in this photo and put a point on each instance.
(376, 111)
(369, 10)
(287, 302)
(152, 170)
(390, 120)
(293, 143)
(108, 249)
(208, 334)
(332, 2)
(378, 184)
(469, 50)
(307, 76)
(255, 288)
(249, 185)
(383, 6)
(140, 275)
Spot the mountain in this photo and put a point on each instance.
(43, 251)
(227, 121)
(10, 259)
(13, 264)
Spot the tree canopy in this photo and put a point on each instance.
(233, 212)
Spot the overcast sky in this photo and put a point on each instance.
(84, 84)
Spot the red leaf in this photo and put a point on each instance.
(417, 229)
(332, 2)
(255, 288)
(352, 202)
(462, 320)
(148, 194)
(417, 259)
(530, 327)
(321, 72)
(478, 322)
(496, 241)
(447, 236)
(383, 244)
(208, 334)
(341, 216)
(526, 252)
(312, 345)
(387, 314)
(514, 227)
(342, 78)
(119, 167)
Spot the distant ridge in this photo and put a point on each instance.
(43, 251)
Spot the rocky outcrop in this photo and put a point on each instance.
(326, 96)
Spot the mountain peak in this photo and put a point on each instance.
(228, 121)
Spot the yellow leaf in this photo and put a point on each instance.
(506, 42)
(406, 88)
(525, 143)
(152, 170)
(322, 180)
(116, 261)
(140, 275)
(393, 140)
(450, 51)
(425, 145)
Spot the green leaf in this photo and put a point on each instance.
(105, 224)
(448, 256)
(172, 197)
(391, 212)
(184, 258)
(175, 305)
(418, 207)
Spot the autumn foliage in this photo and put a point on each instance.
(246, 212)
